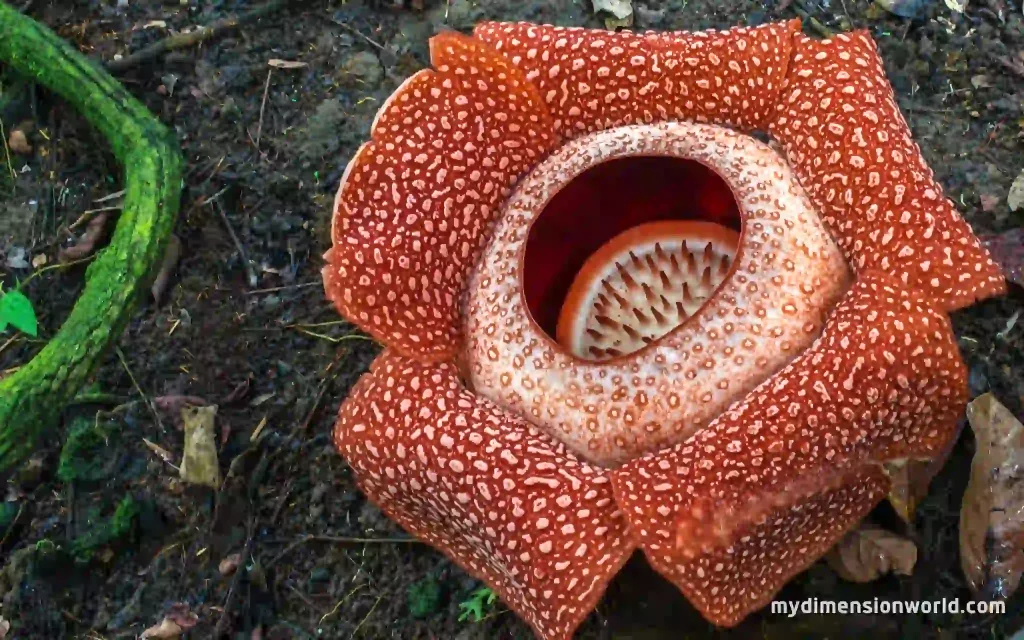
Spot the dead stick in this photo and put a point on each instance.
(225, 616)
(335, 540)
(182, 40)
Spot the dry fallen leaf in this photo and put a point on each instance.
(286, 64)
(992, 513)
(179, 619)
(5, 627)
(173, 404)
(910, 480)
(18, 143)
(161, 453)
(620, 12)
(988, 202)
(166, 630)
(870, 552)
(1015, 198)
(94, 232)
(229, 564)
(171, 256)
(1014, 63)
(199, 461)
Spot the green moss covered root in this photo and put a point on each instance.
(31, 399)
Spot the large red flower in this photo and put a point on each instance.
(615, 319)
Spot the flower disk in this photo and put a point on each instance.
(786, 276)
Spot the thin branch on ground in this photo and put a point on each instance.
(335, 540)
(301, 285)
(201, 34)
(249, 271)
(225, 616)
(263, 106)
(135, 383)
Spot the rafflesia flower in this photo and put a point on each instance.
(614, 319)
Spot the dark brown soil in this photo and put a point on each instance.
(275, 356)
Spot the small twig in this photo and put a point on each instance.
(88, 214)
(263, 105)
(201, 34)
(97, 398)
(302, 285)
(325, 384)
(10, 341)
(222, 624)
(366, 617)
(11, 526)
(109, 196)
(58, 265)
(328, 338)
(338, 606)
(7, 153)
(334, 540)
(250, 272)
(356, 32)
(135, 383)
(281, 502)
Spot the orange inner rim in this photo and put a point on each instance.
(601, 203)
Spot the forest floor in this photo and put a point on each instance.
(265, 148)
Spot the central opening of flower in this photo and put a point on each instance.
(627, 251)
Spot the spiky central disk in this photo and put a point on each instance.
(642, 284)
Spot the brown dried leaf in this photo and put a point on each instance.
(182, 615)
(167, 629)
(161, 453)
(171, 256)
(18, 143)
(1013, 63)
(173, 404)
(988, 202)
(992, 513)
(229, 564)
(910, 480)
(85, 245)
(179, 618)
(199, 461)
(870, 552)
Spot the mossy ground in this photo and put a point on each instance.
(264, 353)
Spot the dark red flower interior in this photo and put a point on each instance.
(604, 201)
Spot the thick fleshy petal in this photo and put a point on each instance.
(416, 202)
(504, 501)
(593, 79)
(848, 142)
(884, 382)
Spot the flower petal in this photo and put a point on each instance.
(416, 202)
(852, 149)
(884, 381)
(505, 502)
(593, 79)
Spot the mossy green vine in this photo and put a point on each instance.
(32, 398)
